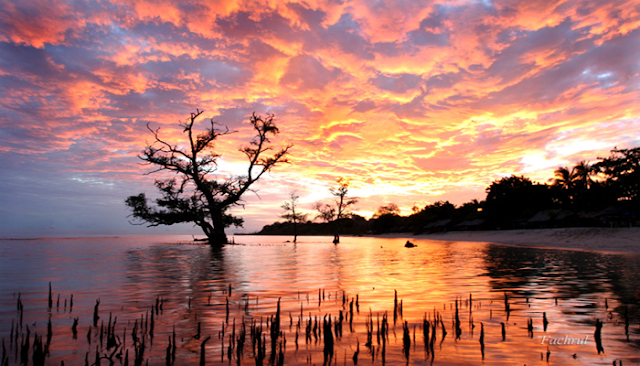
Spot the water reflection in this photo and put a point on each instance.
(570, 273)
(214, 289)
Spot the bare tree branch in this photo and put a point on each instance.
(194, 197)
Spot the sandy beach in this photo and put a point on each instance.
(619, 240)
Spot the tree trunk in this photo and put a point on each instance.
(217, 237)
(295, 231)
(206, 227)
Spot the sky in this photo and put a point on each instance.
(412, 101)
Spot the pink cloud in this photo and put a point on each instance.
(417, 97)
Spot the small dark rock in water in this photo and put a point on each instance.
(409, 244)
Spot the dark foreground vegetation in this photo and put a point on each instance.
(329, 322)
(605, 193)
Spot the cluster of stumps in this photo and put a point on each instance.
(255, 339)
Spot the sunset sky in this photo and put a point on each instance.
(414, 101)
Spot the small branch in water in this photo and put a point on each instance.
(95, 313)
(50, 304)
(598, 336)
(202, 349)
(482, 339)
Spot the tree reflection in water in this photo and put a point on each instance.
(347, 290)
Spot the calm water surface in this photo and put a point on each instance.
(311, 279)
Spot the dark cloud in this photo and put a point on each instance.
(258, 52)
(346, 34)
(155, 33)
(615, 61)
(554, 42)
(436, 19)
(391, 49)
(22, 136)
(134, 105)
(306, 72)
(212, 72)
(26, 60)
(445, 81)
(236, 117)
(241, 26)
(364, 105)
(221, 73)
(421, 37)
(415, 109)
(431, 32)
(399, 83)
(312, 18)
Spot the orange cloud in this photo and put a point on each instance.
(36, 23)
(415, 101)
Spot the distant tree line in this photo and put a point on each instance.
(334, 215)
(606, 193)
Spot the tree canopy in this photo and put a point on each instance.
(292, 213)
(340, 209)
(622, 169)
(389, 209)
(199, 193)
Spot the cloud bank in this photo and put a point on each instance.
(414, 101)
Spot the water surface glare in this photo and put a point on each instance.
(182, 285)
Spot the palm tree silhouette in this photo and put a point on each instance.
(564, 178)
(582, 175)
(565, 183)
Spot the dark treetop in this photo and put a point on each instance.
(198, 193)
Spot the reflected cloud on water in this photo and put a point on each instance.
(197, 285)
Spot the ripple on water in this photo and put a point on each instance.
(310, 280)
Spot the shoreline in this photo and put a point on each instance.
(604, 240)
(613, 240)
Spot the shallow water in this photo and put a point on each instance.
(129, 274)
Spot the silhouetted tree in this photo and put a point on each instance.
(390, 209)
(512, 198)
(437, 211)
(197, 195)
(292, 214)
(582, 175)
(564, 178)
(470, 210)
(340, 209)
(326, 212)
(583, 185)
(622, 172)
(386, 219)
(607, 192)
(564, 185)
